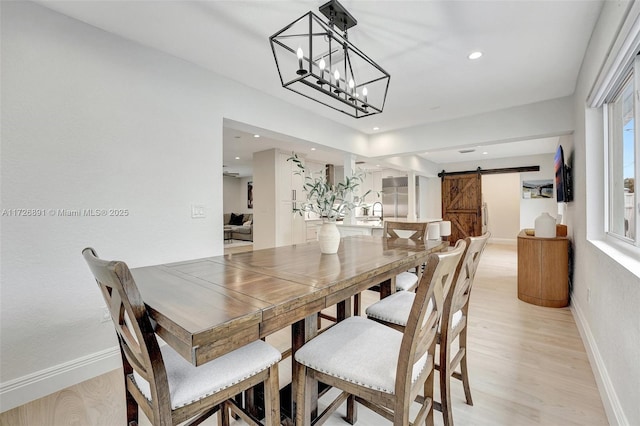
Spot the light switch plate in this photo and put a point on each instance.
(197, 211)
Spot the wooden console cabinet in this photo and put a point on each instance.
(543, 270)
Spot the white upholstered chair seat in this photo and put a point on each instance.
(406, 280)
(395, 309)
(188, 383)
(359, 351)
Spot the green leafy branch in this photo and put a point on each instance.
(329, 201)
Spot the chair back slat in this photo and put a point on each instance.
(418, 229)
(461, 291)
(427, 334)
(419, 335)
(138, 343)
(129, 344)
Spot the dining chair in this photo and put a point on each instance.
(168, 388)
(393, 312)
(406, 280)
(355, 355)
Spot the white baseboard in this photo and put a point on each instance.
(42, 383)
(612, 407)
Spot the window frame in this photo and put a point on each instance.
(629, 75)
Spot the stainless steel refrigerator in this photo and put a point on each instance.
(395, 197)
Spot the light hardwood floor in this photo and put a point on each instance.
(527, 363)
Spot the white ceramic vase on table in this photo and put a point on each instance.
(329, 237)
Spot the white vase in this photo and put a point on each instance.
(545, 226)
(329, 238)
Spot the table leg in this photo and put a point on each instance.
(387, 288)
(301, 332)
(343, 310)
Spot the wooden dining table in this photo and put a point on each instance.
(204, 308)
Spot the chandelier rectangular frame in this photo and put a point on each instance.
(313, 57)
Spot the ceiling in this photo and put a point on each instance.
(532, 50)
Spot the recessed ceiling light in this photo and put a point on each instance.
(485, 153)
(313, 149)
(377, 165)
(237, 158)
(256, 136)
(376, 128)
(475, 55)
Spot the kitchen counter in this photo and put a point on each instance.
(361, 227)
(364, 225)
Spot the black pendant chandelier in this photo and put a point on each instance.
(315, 60)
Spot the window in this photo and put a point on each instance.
(622, 147)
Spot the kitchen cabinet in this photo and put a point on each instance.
(290, 227)
(313, 227)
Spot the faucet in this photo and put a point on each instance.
(377, 207)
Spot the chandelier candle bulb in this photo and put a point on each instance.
(365, 92)
(300, 56)
(321, 65)
(336, 75)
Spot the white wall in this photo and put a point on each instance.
(531, 208)
(231, 190)
(86, 124)
(92, 121)
(502, 195)
(608, 319)
(235, 194)
(264, 196)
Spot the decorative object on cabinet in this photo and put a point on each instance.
(543, 270)
(561, 230)
(545, 226)
(316, 60)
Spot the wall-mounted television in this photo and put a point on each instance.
(563, 178)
